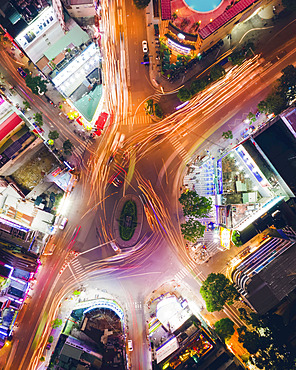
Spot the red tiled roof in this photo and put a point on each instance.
(225, 17)
(8, 125)
(166, 12)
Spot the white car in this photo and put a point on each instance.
(63, 223)
(115, 247)
(130, 345)
(145, 46)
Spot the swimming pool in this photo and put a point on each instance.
(203, 5)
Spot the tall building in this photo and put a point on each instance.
(58, 9)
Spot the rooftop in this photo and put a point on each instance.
(225, 17)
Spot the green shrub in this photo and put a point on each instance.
(236, 239)
(128, 220)
(158, 111)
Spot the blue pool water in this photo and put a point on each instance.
(203, 5)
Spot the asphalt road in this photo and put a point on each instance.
(161, 258)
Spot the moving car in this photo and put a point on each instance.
(130, 345)
(22, 72)
(145, 46)
(115, 247)
(63, 223)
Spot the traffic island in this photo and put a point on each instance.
(127, 221)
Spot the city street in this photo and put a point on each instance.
(159, 153)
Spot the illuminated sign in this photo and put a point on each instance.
(166, 349)
(15, 225)
(107, 303)
(179, 48)
(225, 237)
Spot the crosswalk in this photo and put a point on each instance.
(76, 266)
(78, 151)
(185, 271)
(180, 150)
(138, 119)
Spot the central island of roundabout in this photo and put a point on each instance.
(127, 221)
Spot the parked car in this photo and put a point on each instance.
(130, 345)
(22, 72)
(145, 46)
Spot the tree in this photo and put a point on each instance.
(38, 119)
(36, 84)
(227, 134)
(217, 290)
(275, 103)
(266, 339)
(56, 323)
(53, 135)
(158, 111)
(236, 239)
(67, 146)
(192, 229)
(26, 105)
(289, 4)
(274, 358)
(237, 57)
(262, 108)
(251, 117)
(194, 205)
(141, 4)
(50, 339)
(42, 359)
(224, 328)
(287, 86)
(184, 94)
(198, 86)
(216, 72)
(149, 106)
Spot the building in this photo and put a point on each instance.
(267, 276)
(62, 51)
(256, 179)
(15, 137)
(83, 11)
(192, 32)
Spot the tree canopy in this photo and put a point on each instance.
(216, 72)
(283, 93)
(38, 119)
(184, 94)
(141, 4)
(217, 290)
(56, 323)
(67, 146)
(192, 229)
(36, 84)
(266, 340)
(289, 4)
(224, 328)
(194, 205)
(53, 135)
